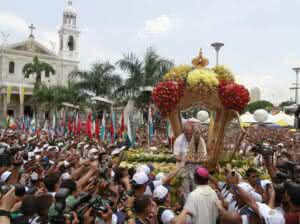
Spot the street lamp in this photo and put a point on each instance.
(296, 69)
(217, 46)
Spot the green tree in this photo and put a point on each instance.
(286, 103)
(49, 98)
(261, 104)
(101, 79)
(141, 73)
(36, 68)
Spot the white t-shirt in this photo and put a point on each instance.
(181, 145)
(271, 216)
(201, 203)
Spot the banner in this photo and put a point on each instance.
(8, 92)
(22, 94)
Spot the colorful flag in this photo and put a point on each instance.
(102, 131)
(122, 125)
(150, 125)
(97, 128)
(113, 118)
(89, 126)
(78, 124)
(129, 131)
(112, 130)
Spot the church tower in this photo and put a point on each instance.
(69, 34)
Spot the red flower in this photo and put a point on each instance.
(233, 96)
(166, 95)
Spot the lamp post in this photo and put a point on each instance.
(217, 46)
(296, 69)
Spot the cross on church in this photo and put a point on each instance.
(31, 30)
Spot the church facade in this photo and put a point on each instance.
(15, 90)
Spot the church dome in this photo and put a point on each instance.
(69, 8)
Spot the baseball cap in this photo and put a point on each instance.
(160, 176)
(160, 192)
(5, 176)
(167, 216)
(144, 168)
(34, 176)
(140, 178)
(202, 172)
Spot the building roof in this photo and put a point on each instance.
(30, 45)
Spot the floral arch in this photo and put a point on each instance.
(215, 89)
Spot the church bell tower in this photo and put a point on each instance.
(69, 34)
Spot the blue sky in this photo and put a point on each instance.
(261, 36)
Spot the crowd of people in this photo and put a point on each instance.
(51, 179)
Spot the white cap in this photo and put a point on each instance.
(66, 176)
(66, 163)
(160, 192)
(45, 146)
(37, 150)
(30, 154)
(160, 176)
(144, 168)
(5, 176)
(60, 144)
(31, 139)
(140, 178)
(93, 150)
(34, 176)
(53, 148)
(167, 216)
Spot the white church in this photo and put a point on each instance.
(15, 90)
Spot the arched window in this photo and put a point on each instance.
(61, 43)
(71, 43)
(11, 67)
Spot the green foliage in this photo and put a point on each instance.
(145, 72)
(286, 103)
(262, 104)
(101, 79)
(52, 97)
(36, 68)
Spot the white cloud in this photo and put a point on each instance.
(49, 39)
(157, 25)
(12, 22)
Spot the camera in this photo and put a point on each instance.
(5, 156)
(263, 149)
(83, 201)
(19, 189)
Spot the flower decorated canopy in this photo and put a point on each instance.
(186, 86)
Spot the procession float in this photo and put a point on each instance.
(213, 89)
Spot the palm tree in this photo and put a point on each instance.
(49, 98)
(101, 79)
(142, 73)
(146, 72)
(36, 68)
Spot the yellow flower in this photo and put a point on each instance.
(202, 76)
(178, 73)
(223, 73)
